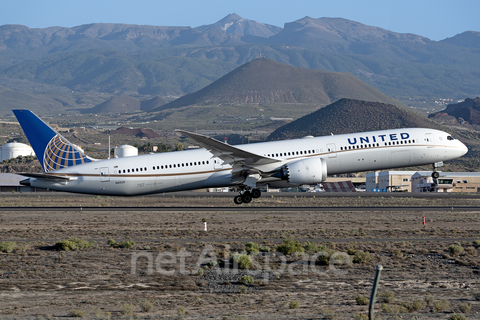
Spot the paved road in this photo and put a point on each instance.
(190, 194)
(248, 209)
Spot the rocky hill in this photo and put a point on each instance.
(348, 115)
(264, 81)
(125, 104)
(466, 111)
(138, 132)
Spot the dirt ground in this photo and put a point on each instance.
(175, 269)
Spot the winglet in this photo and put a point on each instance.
(52, 149)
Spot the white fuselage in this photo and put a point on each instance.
(195, 169)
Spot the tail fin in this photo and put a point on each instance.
(53, 151)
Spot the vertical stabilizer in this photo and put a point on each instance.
(52, 149)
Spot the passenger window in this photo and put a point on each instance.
(207, 161)
(203, 162)
(174, 165)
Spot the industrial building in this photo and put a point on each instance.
(422, 181)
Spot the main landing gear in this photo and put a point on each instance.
(246, 196)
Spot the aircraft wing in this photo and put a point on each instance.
(232, 155)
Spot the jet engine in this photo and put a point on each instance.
(305, 171)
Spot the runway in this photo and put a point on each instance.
(249, 209)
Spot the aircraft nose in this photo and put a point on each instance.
(463, 148)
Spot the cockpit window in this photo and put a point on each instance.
(450, 138)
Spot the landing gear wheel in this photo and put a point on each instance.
(435, 175)
(247, 197)
(238, 200)
(256, 193)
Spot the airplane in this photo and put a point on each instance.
(279, 163)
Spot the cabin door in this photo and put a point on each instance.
(332, 153)
(429, 140)
(104, 174)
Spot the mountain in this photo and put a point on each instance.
(125, 104)
(174, 61)
(349, 115)
(233, 23)
(336, 34)
(106, 70)
(468, 111)
(264, 81)
(117, 104)
(468, 39)
(152, 103)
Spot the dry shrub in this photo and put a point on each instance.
(295, 304)
(386, 297)
(361, 300)
(146, 305)
(7, 246)
(441, 305)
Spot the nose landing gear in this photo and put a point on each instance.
(435, 173)
(246, 196)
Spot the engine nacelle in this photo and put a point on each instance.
(305, 171)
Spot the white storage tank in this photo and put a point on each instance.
(125, 151)
(14, 149)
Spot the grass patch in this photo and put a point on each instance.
(441, 305)
(362, 257)
(127, 244)
(243, 261)
(7, 246)
(386, 297)
(290, 246)
(72, 244)
(247, 280)
(361, 300)
(127, 309)
(146, 305)
(455, 249)
(252, 248)
(75, 313)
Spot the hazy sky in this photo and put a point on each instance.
(436, 20)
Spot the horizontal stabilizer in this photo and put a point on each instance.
(46, 176)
